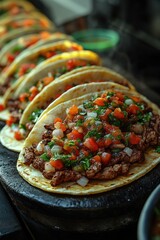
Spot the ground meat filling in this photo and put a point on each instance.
(100, 139)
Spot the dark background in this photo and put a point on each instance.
(137, 56)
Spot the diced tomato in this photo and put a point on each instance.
(108, 142)
(101, 142)
(118, 113)
(26, 67)
(15, 10)
(2, 107)
(76, 47)
(68, 87)
(99, 101)
(120, 96)
(73, 110)
(60, 125)
(10, 58)
(45, 35)
(31, 97)
(115, 141)
(70, 64)
(49, 54)
(18, 136)
(32, 41)
(44, 22)
(28, 22)
(47, 80)
(106, 157)
(110, 128)
(135, 99)
(134, 139)
(105, 115)
(73, 157)
(58, 95)
(133, 109)
(84, 152)
(57, 119)
(91, 144)
(71, 149)
(96, 158)
(75, 135)
(33, 89)
(57, 164)
(23, 97)
(10, 121)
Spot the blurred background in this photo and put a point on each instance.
(136, 22)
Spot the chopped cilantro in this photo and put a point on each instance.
(144, 118)
(93, 133)
(71, 143)
(79, 122)
(17, 48)
(22, 126)
(35, 115)
(158, 149)
(100, 110)
(40, 59)
(85, 162)
(110, 94)
(66, 159)
(45, 157)
(51, 144)
(87, 104)
(113, 120)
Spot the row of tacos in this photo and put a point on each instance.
(80, 128)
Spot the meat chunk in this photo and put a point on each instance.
(93, 169)
(137, 156)
(38, 164)
(112, 172)
(29, 155)
(64, 176)
(137, 128)
(48, 174)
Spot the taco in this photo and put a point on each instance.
(92, 144)
(12, 28)
(20, 100)
(27, 61)
(13, 8)
(11, 50)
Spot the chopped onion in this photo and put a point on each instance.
(71, 125)
(23, 132)
(91, 114)
(83, 181)
(40, 147)
(98, 123)
(56, 149)
(48, 167)
(128, 101)
(57, 133)
(50, 74)
(128, 151)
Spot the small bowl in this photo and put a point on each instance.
(97, 39)
(147, 215)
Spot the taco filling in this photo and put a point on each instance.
(17, 106)
(98, 140)
(14, 8)
(22, 23)
(26, 67)
(10, 56)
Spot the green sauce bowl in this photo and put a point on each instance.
(97, 39)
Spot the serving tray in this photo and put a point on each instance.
(107, 211)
